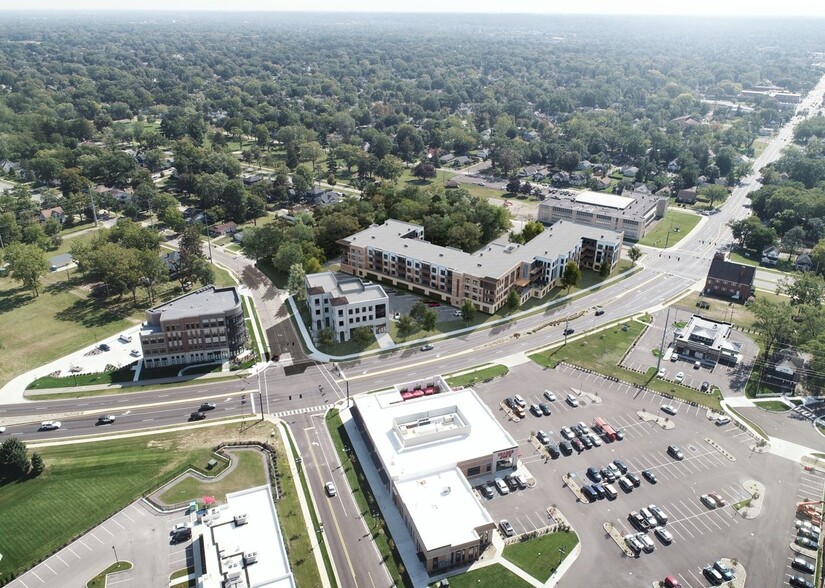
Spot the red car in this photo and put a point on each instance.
(433, 304)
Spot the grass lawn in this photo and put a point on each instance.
(752, 424)
(539, 557)
(773, 405)
(750, 257)
(670, 229)
(486, 577)
(367, 504)
(722, 309)
(123, 390)
(477, 375)
(249, 472)
(99, 581)
(124, 374)
(602, 351)
(277, 278)
(97, 479)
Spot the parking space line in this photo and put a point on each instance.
(107, 530)
(51, 569)
(84, 545)
(683, 520)
(69, 547)
(131, 520)
(57, 555)
(701, 516)
(119, 525)
(22, 582)
(38, 577)
(697, 578)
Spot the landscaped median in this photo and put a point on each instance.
(100, 580)
(476, 375)
(541, 556)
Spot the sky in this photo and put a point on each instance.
(693, 7)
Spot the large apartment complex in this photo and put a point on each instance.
(345, 304)
(205, 325)
(396, 252)
(631, 213)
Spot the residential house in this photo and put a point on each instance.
(584, 165)
(481, 154)
(451, 184)
(530, 136)
(537, 172)
(630, 171)
(686, 196)
(461, 161)
(59, 262)
(603, 183)
(446, 158)
(685, 121)
(223, 229)
(730, 280)
(707, 341)
(12, 168)
(250, 180)
(327, 198)
(561, 178)
(123, 196)
(673, 166)
(55, 213)
(238, 237)
(578, 179)
(784, 371)
(770, 256)
(804, 263)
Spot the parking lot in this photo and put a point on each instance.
(700, 535)
(136, 534)
(730, 379)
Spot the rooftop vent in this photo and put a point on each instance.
(250, 558)
(240, 519)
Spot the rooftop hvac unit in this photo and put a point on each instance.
(250, 558)
(240, 519)
(233, 577)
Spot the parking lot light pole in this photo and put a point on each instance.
(115, 550)
(562, 551)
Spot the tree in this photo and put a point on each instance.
(390, 168)
(513, 301)
(468, 311)
(418, 311)
(713, 193)
(792, 238)
(429, 320)
(406, 325)
(513, 185)
(153, 272)
(773, 321)
(806, 288)
(37, 465)
(14, 460)
(27, 264)
(424, 170)
(296, 283)
(363, 335)
(288, 254)
(604, 270)
(193, 265)
(571, 276)
(634, 253)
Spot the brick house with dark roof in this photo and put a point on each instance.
(730, 280)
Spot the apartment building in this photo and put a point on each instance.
(345, 304)
(632, 213)
(396, 252)
(202, 326)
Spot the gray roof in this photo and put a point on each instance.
(493, 260)
(203, 301)
(61, 259)
(343, 290)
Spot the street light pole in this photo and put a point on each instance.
(116, 558)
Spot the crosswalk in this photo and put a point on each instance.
(308, 409)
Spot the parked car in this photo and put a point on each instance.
(638, 521)
(724, 571)
(595, 440)
(608, 475)
(426, 347)
(675, 452)
(549, 396)
(134, 353)
(634, 479)
(511, 403)
(803, 565)
(104, 347)
(613, 468)
(553, 450)
(600, 492)
(680, 377)
(106, 419)
(486, 491)
(586, 441)
(714, 577)
(720, 502)
(610, 491)
(697, 364)
(520, 401)
(125, 338)
(594, 474)
(545, 409)
(800, 582)
(589, 493)
(534, 408)
(811, 534)
(542, 437)
(506, 528)
(633, 543)
(521, 481)
(567, 433)
(708, 501)
(621, 465)
(661, 373)
(663, 535)
(565, 447)
(805, 542)
(722, 420)
(650, 476)
(49, 426)
(179, 527)
(647, 544)
(207, 406)
(651, 520)
(197, 416)
(501, 486)
(572, 400)
(510, 480)
(671, 582)
(577, 444)
(658, 513)
(182, 535)
(329, 487)
(668, 408)
(705, 386)
(619, 435)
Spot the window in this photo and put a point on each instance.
(474, 471)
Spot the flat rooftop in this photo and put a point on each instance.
(493, 260)
(455, 426)
(203, 301)
(226, 543)
(352, 289)
(444, 508)
(606, 200)
(633, 205)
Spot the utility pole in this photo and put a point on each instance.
(92, 201)
(208, 240)
(662, 344)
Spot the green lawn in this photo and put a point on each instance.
(249, 471)
(750, 257)
(670, 229)
(124, 374)
(724, 310)
(85, 483)
(99, 581)
(494, 576)
(367, 504)
(602, 351)
(752, 424)
(773, 405)
(539, 557)
(477, 375)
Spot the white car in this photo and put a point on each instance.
(572, 400)
(125, 338)
(549, 396)
(179, 527)
(49, 425)
(668, 408)
(134, 353)
(2, 429)
(329, 487)
(680, 377)
(661, 373)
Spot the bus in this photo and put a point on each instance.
(604, 429)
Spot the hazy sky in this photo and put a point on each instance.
(698, 7)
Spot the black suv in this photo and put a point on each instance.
(197, 416)
(182, 535)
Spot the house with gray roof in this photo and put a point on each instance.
(707, 340)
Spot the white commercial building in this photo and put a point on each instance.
(242, 544)
(344, 304)
(430, 442)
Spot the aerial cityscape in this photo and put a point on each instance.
(467, 295)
